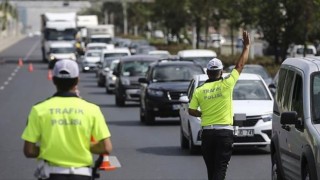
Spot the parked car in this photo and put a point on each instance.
(128, 71)
(200, 56)
(295, 138)
(298, 51)
(254, 69)
(110, 77)
(252, 101)
(162, 87)
(90, 59)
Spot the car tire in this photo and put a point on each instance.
(100, 83)
(149, 117)
(184, 143)
(306, 173)
(275, 171)
(193, 149)
(119, 101)
(108, 91)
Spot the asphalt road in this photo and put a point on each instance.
(145, 152)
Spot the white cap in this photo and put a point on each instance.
(214, 64)
(66, 68)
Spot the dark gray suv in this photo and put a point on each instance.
(128, 71)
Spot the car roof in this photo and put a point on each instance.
(197, 53)
(116, 50)
(141, 57)
(307, 64)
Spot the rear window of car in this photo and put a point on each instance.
(175, 73)
(135, 68)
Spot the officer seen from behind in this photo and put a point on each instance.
(59, 130)
(214, 98)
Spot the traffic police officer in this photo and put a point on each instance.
(59, 130)
(214, 98)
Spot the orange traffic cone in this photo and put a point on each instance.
(30, 67)
(106, 165)
(20, 62)
(49, 75)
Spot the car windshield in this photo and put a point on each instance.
(93, 54)
(249, 90)
(203, 61)
(61, 50)
(135, 68)
(315, 98)
(113, 65)
(96, 47)
(107, 61)
(101, 40)
(301, 50)
(253, 70)
(115, 54)
(175, 73)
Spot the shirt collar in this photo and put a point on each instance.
(65, 94)
(212, 80)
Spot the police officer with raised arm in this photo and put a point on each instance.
(60, 128)
(214, 98)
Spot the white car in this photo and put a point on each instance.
(253, 107)
(298, 50)
(61, 50)
(90, 60)
(200, 56)
(160, 53)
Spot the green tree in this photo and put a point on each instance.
(8, 12)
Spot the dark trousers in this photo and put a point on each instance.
(68, 177)
(216, 150)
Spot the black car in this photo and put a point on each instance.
(162, 87)
(128, 71)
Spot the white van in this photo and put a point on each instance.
(200, 56)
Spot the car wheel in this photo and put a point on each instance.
(108, 91)
(99, 82)
(276, 174)
(193, 149)
(119, 101)
(149, 117)
(184, 143)
(306, 173)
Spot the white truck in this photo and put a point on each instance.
(102, 33)
(57, 27)
(83, 22)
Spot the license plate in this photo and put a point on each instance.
(176, 106)
(245, 133)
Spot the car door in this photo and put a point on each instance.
(295, 138)
(282, 105)
(184, 108)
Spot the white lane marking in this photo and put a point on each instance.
(2, 88)
(9, 78)
(31, 50)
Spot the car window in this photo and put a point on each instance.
(315, 85)
(250, 90)
(93, 54)
(281, 78)
(285, 105)
(106, 55)
(61, 50)
(175, 73)
(297, 96)
(191, 89)
(135, 68)
(202, 61)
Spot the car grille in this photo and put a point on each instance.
(255, 138)
(175, 95)
(250, 121)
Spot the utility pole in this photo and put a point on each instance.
(125, 17)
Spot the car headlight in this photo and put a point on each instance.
(154, 92)
(125, 81)
(52, 57)
(267, 117)
(73, 57)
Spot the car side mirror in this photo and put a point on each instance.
(288, 118)
(142, 80)
(184, 99)
(107, 69)
(272, 86)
